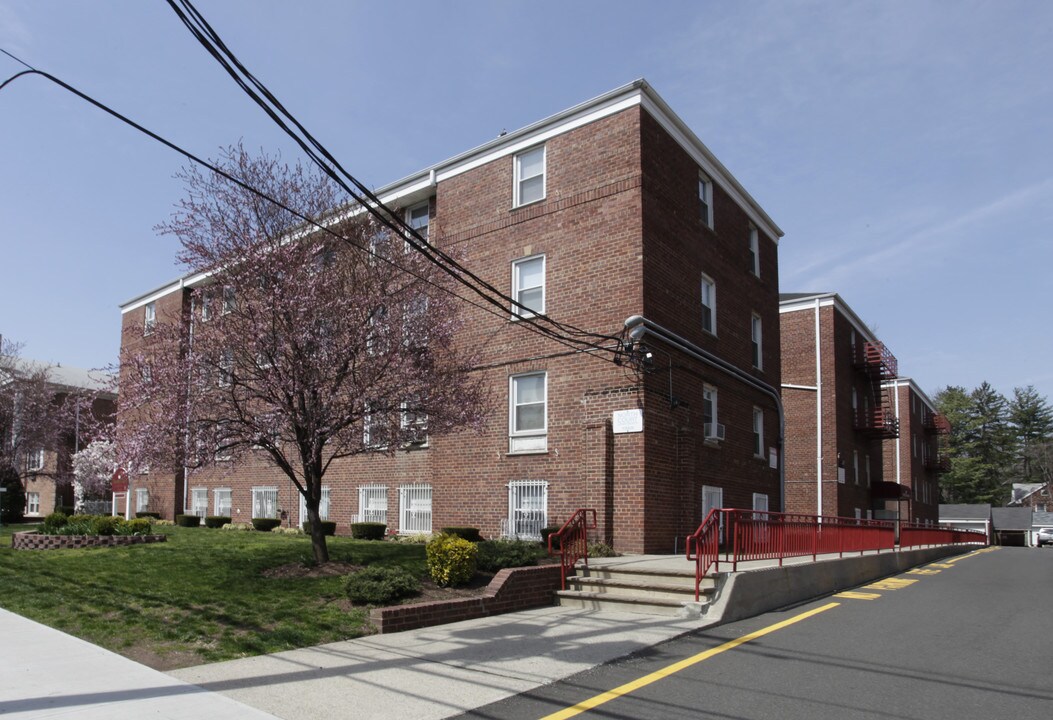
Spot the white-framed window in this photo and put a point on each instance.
(859, 514)
(418, 219)
(711, 427)
(866, 467)
(914, 444)
(375, 430)
(855, 466)
(705, 199)
(323, 505)
(757, 341)
(528, 412)
(206, 304)
(373, 504)
(413, 421)
(226, 368)
(264, 502)
(149, 318)
(221, 502)
(198, 502)
(32, 503)
(754, 251)
(758, 432)
(229, 299)
(709, 304)
(35, 460)
(414, 509)
(713, 499)
(528, 286)
(527, 509)
(529, 168)
(760, 502)
(142, 499)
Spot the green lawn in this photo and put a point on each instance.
(200, 597)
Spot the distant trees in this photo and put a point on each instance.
(301, 347)
(994, 442)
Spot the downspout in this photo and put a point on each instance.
(818, 415)
(639, 326)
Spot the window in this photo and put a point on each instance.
(35, 460)
(705, 199)
(373, 504)
(414, 421)
(754, 251)
(415, 323)
(32, 503)
(527, 509)
(199, 502)
(150, 318)
(379, 331)
(713, 499)
(417, 218)
(528, 413)
(758, 432)
(228, 299)
(760, 502)
(221, 502)
(529, 177)
(711, 429)
(226, 368)
(756, 341)
(709, 305)
(323, 506)
(206, 305)
(264, 502)
(855, 466)
(375, 429)
(142, 499)
(866, 467)
(414, 509)
(224, 441)
(528, 286)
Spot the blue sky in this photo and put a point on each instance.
(903, 147)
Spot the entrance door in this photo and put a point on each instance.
(713, 499)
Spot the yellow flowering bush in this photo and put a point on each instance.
(451, 560)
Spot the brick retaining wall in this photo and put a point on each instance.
(511, 589)
(32, 540)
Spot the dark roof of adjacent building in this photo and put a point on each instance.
(1014, 518)
(965, 512)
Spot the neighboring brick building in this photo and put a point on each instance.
(47, 471)
(916, 458)
(607, 210)
(838, 410)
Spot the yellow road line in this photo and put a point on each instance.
(890, 584)
(920, 571)
(676, 667)
(853, 595)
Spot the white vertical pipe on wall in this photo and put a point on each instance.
(818, 415)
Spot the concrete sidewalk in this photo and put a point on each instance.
(45, 673)
(434, 672)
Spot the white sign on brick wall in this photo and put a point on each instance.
(627, 421)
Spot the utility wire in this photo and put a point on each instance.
(259, 93)
(503, 313)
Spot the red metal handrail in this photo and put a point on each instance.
(573, 540)
(914, 535)
(703, 547)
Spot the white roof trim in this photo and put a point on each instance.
(906, 381)
(828, 300)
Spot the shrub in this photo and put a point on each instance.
(53, 522)
(136, 526)
(238, 526)
(470, 534)
(78, 525)
(381, 585)
(151, 514)
(368, 530)
(265, 524)
(497, 555)
(159, 522)
(286, 530)
(328, 527)
(451, 560)
(416, 539)
(216, 521)
(67, 509)
(599, 549)
(187, 520)
(107, 525)
(550, 530)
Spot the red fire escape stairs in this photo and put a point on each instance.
(937, 424)
(877, 363)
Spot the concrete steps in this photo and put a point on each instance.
(637, 590)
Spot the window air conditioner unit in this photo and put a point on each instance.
(713, 431)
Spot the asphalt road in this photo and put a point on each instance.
(971, 637)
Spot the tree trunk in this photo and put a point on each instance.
(318, 545)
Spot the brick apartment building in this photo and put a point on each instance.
(839, 407)
(914, 461)
(608, 210)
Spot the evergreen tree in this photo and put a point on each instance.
(1031, 418)
(981, 445)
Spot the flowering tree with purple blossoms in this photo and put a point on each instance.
(93, 469)
(299, 346)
